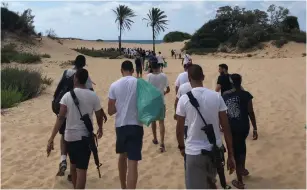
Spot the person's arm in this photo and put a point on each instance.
(167, 90)
(252, 117)
(227, 133)
(177, 84)
(111, 107)
(218, 84)
(180, 115)
(59, 122)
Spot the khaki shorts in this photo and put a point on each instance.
(199, 170)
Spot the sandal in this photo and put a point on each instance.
(238, 184)
(162, 148)
(155, 141)
(245, 172)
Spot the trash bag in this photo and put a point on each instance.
(146, 67)
(165, 64)
(150, 103)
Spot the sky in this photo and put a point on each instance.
(95, 19)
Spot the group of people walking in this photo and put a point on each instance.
(229, 113)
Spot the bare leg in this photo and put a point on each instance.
(73, 173)
(162, 130)
(81, 179)
(154, 130)
(63, 146)
(122, 168)
(132, 177)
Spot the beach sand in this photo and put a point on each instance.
(275, 160)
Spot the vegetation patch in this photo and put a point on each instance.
(98, 53)
(176, 36)
(20, 84)
(10, 54)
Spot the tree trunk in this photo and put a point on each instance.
(153, 40)
(120, 41)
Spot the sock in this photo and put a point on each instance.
(63, 157)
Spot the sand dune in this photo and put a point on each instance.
(276, 160)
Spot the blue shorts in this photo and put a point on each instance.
(129, 139)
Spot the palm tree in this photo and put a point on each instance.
(157, 21)
(123, 19)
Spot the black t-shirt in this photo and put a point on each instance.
(138, 63)
(225, 83)
(237, 104)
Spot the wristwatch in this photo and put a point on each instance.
(181, 147)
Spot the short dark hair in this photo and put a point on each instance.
(159, 52)
(80, 61)
(236, 80)
(224, 66)
(82, 76)
(195, 72)
(127, 66)
(155, 65)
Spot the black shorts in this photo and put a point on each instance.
(79, 153)
(129, 139)
(239, 142)
(161, 65)
(138, 70)
(62, 128)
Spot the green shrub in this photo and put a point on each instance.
(280, 43)
(45, 55)
(99, 40)
(98, 53)
(9, 54)
(26, 81)
(10, 97)
(176, 36)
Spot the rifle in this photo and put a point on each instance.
(217, 154)
(92, 139)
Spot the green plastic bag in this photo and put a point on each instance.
(150, 103)
(165, 64)
(146, 67)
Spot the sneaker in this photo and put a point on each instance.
(62, 168)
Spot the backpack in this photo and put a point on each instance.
(66, 84)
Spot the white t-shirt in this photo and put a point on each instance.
(186, 59)
(182, 78)
(124, 92)
(183, 89)
(160, 81)
(211, 103)
(88, 103)
(160, 59)
(72, 71)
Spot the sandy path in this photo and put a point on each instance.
(276, 160)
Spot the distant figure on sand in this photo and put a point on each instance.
(138, 66)
(223, 81)
(129, 131)
(161, 61)
(172, 53)
(76, 132)
(240, 110)
(200, 171)
(182, 77)
(160, 81)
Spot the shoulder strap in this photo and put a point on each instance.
(76, 101)
(195, 104)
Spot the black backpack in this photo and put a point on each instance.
(66, 84)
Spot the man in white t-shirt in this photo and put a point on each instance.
(200, 170)
(160, 81)
(79, 63)
(161, 60)
(129, 131)
(182, 77)
(76, 131)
